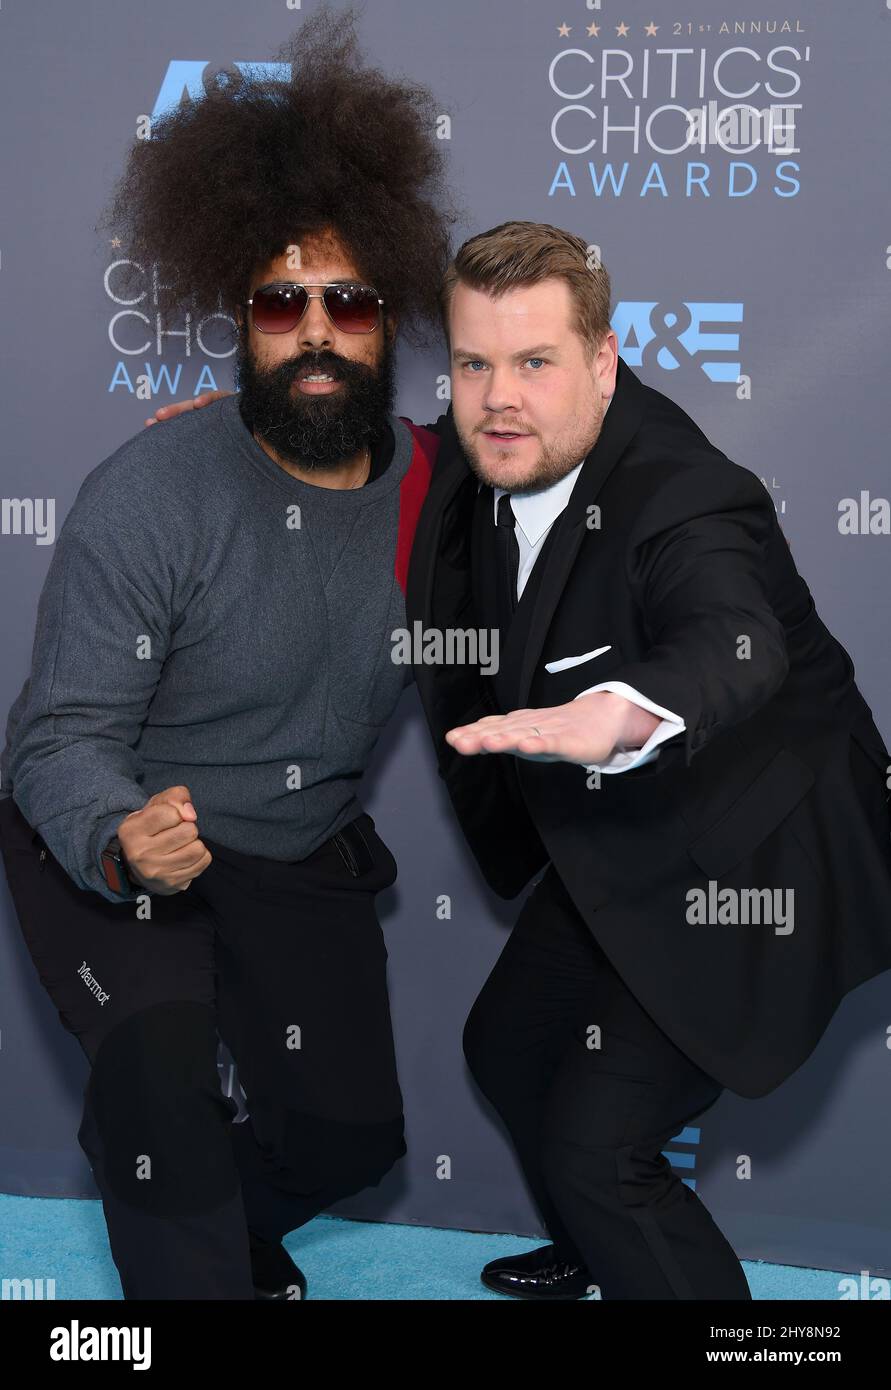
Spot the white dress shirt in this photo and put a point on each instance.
(535, 514)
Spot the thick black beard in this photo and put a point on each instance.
(323, 432)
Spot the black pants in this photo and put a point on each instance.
(287, 962)
(591, 1090)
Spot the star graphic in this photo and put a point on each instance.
(622, 30)
(564, 31)
(650, 30)
(594, 31)
(116, 243)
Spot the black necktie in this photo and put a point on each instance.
(508, 561)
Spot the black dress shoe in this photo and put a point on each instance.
(274, 1273)
(537, 1274)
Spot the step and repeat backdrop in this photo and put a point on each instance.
(730, 164)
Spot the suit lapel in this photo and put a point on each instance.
(440, 565)
(621, 423)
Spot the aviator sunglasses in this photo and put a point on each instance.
(279, 307)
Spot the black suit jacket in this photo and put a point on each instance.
(672, 557)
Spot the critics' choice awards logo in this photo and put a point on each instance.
(640, 112)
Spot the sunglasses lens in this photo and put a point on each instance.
(278, 309)
(353, 308)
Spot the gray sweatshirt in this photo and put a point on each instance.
(209, 620)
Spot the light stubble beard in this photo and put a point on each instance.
(554, 461)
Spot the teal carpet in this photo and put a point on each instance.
(48, 1238)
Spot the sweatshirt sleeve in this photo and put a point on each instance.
(99, 646)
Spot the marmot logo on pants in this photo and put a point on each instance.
(93, 985)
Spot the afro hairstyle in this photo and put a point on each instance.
(229, 182)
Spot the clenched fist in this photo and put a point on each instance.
(161, 844)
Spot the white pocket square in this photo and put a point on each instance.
(566, 661)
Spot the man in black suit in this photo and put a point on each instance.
(673, 736)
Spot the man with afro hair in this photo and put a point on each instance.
(211, 672)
